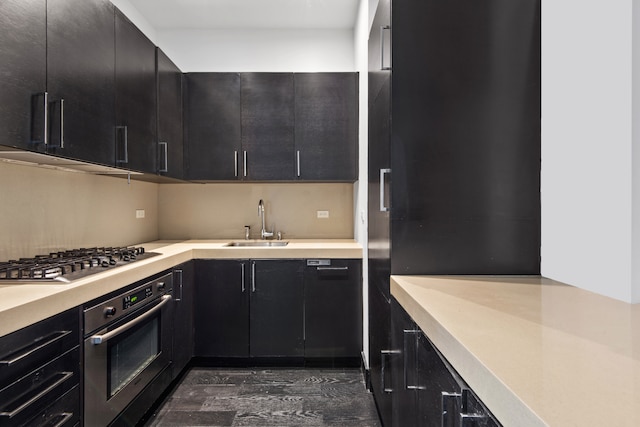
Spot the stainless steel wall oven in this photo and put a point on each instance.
(127, 344)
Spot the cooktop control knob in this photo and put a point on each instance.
(160, 286)
(109, 311)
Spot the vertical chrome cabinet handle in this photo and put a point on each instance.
(179, 278)
(46, 119)
(384, 354)
(235, 164)
(242, 275)
(62, 123)
(298, 162)
(244, 154)
(450, 408)
(383, 208)
(165, 158)
(253, 276)
(121, 132)
(406, 333)
(382, 29)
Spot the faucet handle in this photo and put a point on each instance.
(247, 229)
(279, 235)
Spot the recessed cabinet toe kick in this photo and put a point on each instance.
(127, 346)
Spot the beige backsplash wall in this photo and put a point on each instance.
(42, 210)
(220, 211)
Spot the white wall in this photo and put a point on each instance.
(589, 226)
(361, 37)
(259, 50)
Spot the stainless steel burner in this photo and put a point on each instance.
(65, 266)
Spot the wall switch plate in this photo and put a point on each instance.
(139, 213)
(323, 214)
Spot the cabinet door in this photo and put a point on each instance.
(212, 126)
(170, 135)
(333, 310)
(440, 387)
(404, 371)
(23, 69)
(466, 137)
(277, 308)
(380, 351)
(183, 295)
(268, 126)
(222, 308)
(80, 72)
(135, 97)
(326, 126)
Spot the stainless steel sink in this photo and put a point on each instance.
(258, 244)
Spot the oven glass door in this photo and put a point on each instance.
(130, 353)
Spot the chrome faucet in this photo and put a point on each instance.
(263, 232)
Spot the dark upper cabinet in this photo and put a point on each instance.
(268, 126)
(23, 71)
(465, 137)
(222, 308)
(80, 79)
(136, 120)
(212, 126)
(170, 135)
(326, 126)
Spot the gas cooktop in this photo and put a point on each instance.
(66, 266)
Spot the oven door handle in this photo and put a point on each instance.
(99, 339)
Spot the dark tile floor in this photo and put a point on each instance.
(268, 397)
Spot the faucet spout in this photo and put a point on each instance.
(263, 232)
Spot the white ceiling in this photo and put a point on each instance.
(277, 14)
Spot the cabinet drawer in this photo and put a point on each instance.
(31, 347)
(38, 389)
(64, 412)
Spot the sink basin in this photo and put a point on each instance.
(258, 244)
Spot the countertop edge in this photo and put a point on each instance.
(505, 405)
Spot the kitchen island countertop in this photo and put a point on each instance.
(29, 302)
(536, 351)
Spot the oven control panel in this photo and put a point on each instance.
(133, 299)
(97, 316)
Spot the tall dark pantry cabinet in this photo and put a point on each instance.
(454, 150)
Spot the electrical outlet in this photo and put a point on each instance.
(323, 214)
(139, 213)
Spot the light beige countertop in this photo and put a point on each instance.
(29, 302)
(536, 351)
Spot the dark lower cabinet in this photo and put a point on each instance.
(326, 126)
(279, 310)
(426, 390)
(170, 135)
(268, 119)
(333, 310)
(276, 308)
(380, 351)
(183, 324)
(135, 97)
(80, 79)
(43, 361)
(23, 71)
(249, 308)
(222, 308)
